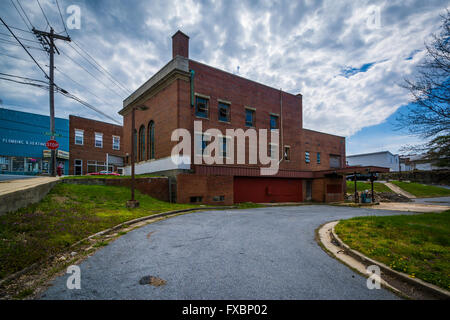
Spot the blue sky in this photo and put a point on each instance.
(347, 58)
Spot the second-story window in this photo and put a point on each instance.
(79, 137)
(224, 112)
(116, 143)
(273, 122)
(201, 107)
(98, 140)
(307, 157)
(249, 117)
(287, 153)
(318, 157)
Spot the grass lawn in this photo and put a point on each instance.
(67, 214)
(422, 190)
(418, 245)
(361, 186)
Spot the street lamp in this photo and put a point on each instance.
(133, 203)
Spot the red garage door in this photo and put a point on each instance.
(264, 190)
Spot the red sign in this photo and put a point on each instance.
(52, 144)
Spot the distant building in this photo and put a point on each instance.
(95, 146)
(420, 162)
(22, 143)
(380, 159)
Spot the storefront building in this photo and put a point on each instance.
(22, 143)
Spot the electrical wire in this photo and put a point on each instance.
(24, 39)
(82, 67)
(45, 16)
(95, 61)
(116, 83)
(62, 20)
(20, 14)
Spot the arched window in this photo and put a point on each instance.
(135, 145)
(151, 140)
(141, 143)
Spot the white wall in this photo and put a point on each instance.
(385, 159)
(150, 166)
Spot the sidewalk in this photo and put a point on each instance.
(10, 186)
(398, 190)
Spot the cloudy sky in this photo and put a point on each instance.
(347, 58)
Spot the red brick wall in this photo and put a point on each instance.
(88, 151)
(154, 187)
(194, 185)
(162, 109)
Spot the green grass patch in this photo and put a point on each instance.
(418, 245)
(147, 175)
(422, 190)
(67, 214)
(361, 186)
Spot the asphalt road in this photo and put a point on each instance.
(7, 177)
(264, 253)
(439, 200)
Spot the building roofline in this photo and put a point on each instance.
(238, 76)
(112, 124)
(335, 135)
(370, 153)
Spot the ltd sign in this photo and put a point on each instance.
(52, 144)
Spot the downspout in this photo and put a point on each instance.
(192, 86)
(281, 126)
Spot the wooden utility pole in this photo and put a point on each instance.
(48, 41)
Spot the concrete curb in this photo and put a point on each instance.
(126, 223)
(429, 288)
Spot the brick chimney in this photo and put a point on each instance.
(180, 45)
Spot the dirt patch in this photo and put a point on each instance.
(390, 197)
(60, 199)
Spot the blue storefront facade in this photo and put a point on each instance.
(22, 143)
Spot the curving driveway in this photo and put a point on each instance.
(264, 253)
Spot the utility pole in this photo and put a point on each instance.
(48, 41)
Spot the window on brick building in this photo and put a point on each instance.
(79, 137)
(98, 140)
(151, 140)
(273, 149)
(287, 153)
(201, 141)
(201, 107)
(116, 143)
(249, 117)
(141, 152)
(307, 160)
(318, 157)
(224, 144)
(273, 122)
(224, 112)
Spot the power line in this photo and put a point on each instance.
(62, 20)
(5, 34)
(24, 13)
(109, 88)
(45, 16)
(102, 72)
(45, 87)
(82, 86)
(95, 61)
(20, 14)
(15, 57)
(24, 78)
(25, 48)
(16, 44)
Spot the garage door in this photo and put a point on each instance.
(264, 190)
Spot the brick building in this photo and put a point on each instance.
(94, 145)
(185, 90)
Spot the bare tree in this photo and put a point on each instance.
(428, 115)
